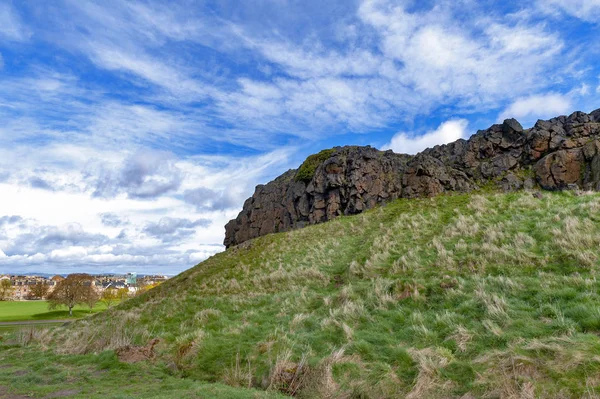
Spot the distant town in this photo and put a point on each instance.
(23, 285)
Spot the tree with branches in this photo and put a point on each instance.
(39, 291)
(92, 299)
(6, 290)
(74, 290)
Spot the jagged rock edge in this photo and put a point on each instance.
(557, 154)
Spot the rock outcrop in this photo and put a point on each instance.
(558, 154)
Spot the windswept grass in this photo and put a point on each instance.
(489, 295)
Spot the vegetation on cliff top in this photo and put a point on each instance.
(306, 171)
(489, 295)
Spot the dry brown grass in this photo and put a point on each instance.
(34, 335)
(429, 362)
(90, 337)
(287, 376)
(187, 347)
(462, 337)
(207, 314)
(239, 375)
(519, 371)
(320, 382)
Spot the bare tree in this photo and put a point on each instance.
(75, 289)
(6, 290)
(39, 291)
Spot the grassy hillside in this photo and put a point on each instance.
(490, 295)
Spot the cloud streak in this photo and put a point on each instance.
(144, 175)
(11, 26)
(587, 10)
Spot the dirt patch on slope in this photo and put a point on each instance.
(134, 354)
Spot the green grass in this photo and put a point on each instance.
(43, 374)
(38, 310)
(492, 295)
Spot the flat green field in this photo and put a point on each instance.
(38, 310)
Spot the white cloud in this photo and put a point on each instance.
(422, 59)
(538, 106)
(473, 63)
(405, 63)
(70, 253)
(2, 254)
(582, 90)
(587, 10)
(137, 62)
(520, 39)
(447, 132)
(315, 61)
(63, 228)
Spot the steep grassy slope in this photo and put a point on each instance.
(490, 294)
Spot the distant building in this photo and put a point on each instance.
(131, 278)
(112, 285)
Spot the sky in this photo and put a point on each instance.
(131, 132)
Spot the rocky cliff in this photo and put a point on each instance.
(560, 153)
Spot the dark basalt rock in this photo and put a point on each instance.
(558, 154)
(350, 181)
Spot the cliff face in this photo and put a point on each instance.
(561, 153)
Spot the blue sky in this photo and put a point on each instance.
(132, 131)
